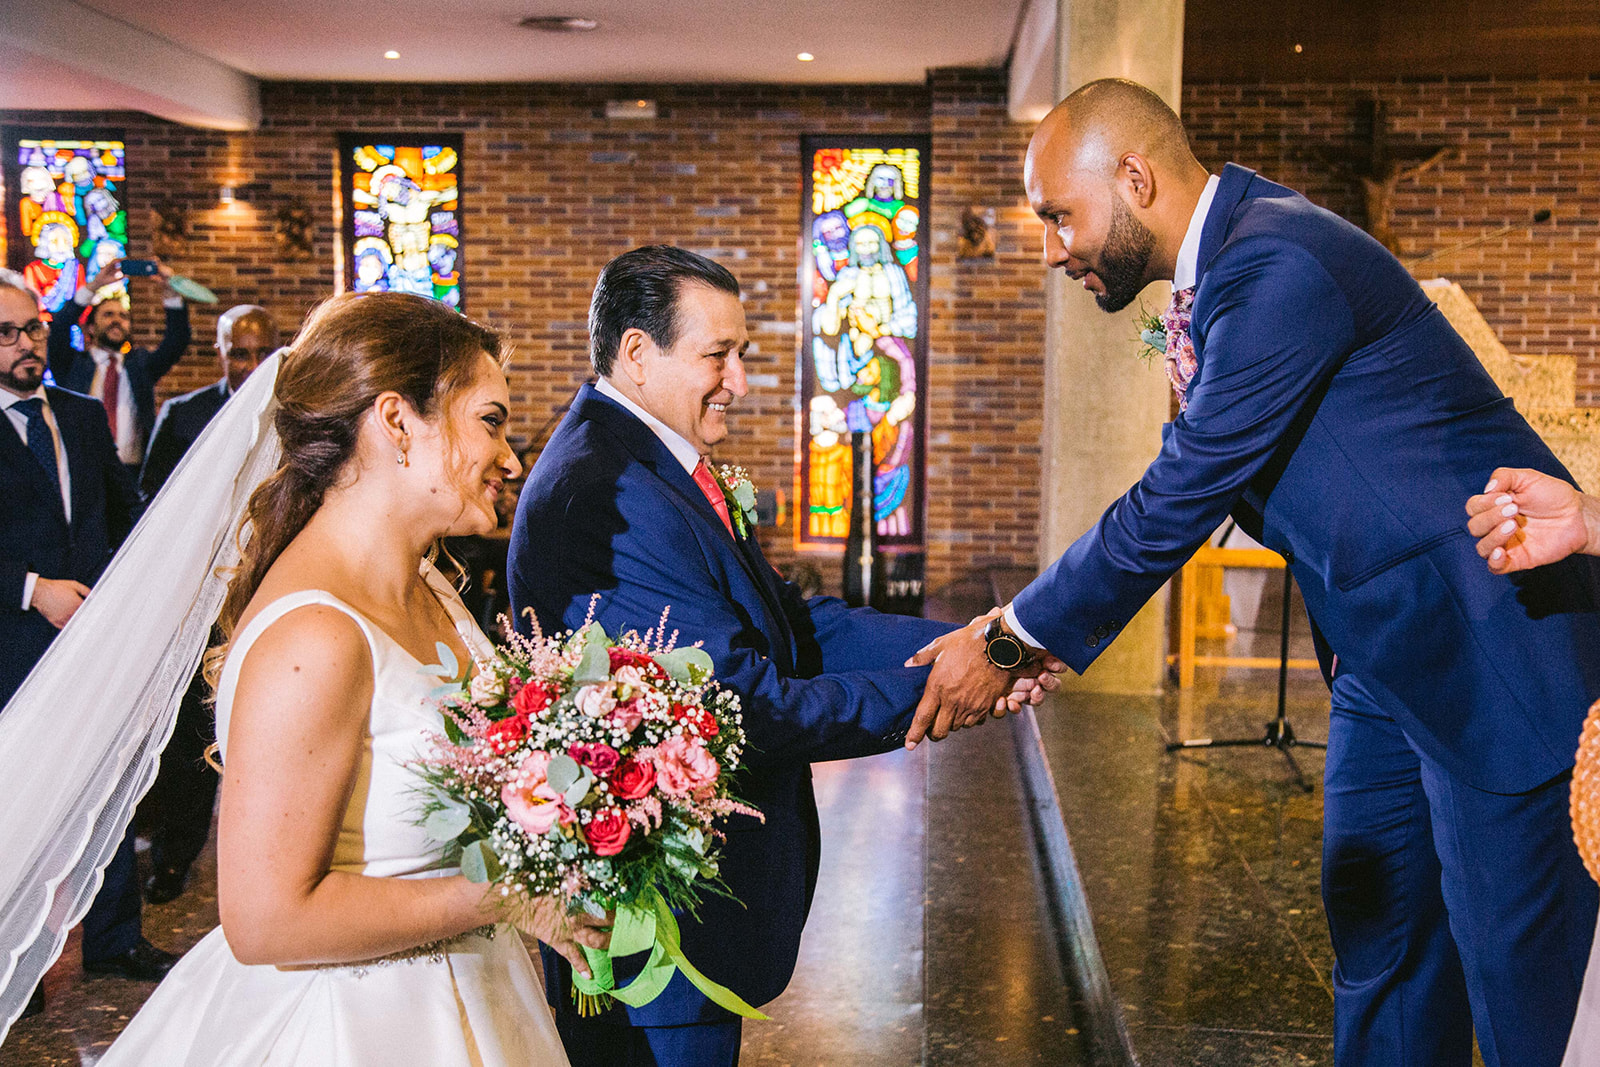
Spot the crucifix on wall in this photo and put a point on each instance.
(1379, 166)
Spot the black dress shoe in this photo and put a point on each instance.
(35, 1003)
(142, 963)
(166, 884)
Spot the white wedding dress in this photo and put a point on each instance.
(474, 1001)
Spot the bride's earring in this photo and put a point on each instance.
(400, 458)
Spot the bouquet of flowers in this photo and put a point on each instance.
(594, 770)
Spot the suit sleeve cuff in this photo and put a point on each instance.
(1016, 627)
(27, 590)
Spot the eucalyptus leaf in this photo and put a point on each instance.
(575, 792)
(688, 666)
(447, 667)
(563, 772)
(479, 863)
(595, 665)
(448, 823)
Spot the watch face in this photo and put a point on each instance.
(1004, 651)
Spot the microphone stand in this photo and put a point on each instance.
(1279, 733)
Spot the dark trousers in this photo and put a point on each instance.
(595, 1043)
(181, 801)
(111, 926)
(1452, 909)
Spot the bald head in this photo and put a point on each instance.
(1110, 173)
(246, 334)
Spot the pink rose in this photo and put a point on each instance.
(528, 798)
(608, 831)
(628, 716)
(595, 701)
(630, 676)
(684, 767)
(600, 758)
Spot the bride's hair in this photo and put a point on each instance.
(352, 348)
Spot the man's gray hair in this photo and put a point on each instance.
(10, 279)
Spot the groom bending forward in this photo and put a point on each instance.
(621, 503)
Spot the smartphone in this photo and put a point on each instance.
(138, 268)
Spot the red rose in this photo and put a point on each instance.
(623, 657)
(505, 735)
(531, 699)
(633, 779)
(608, 831)
(600, 758)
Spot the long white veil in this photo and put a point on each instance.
(81, 739)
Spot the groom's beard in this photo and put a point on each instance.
(1124, 259)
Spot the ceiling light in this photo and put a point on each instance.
(1298, 49)
(560, 23)
(391, 54)
(805, 57)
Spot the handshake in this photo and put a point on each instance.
(978, 671)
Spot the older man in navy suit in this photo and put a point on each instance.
(68, 503)
(179, 803)
(1327, 404)
(622, 503)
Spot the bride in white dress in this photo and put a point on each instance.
(343, 939)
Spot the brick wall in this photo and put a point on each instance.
(1518, 145)
(552, 190)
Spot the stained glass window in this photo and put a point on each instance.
(67, 217)
(864, 317)
(402, 214)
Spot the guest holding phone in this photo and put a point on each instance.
(121, 377)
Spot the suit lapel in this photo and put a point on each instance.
(1230, 191)
(16, 454)
(649, 450)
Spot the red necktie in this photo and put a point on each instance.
(109, 390)
(708, 485)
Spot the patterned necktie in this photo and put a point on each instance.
(1181, 363)
(111, 390)
(708, 485)
(40, 442)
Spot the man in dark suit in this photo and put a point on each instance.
(125, 382)
(1327, 404)
(68, 503)
(179, 804)
(622, 503)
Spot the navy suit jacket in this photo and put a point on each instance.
(1344, 423)
(74, 369)
(182, 420)
(34, 533)
(609, 510)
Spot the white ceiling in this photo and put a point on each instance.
(638, 40)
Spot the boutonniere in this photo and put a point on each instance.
(1152, 335)
(740, 493)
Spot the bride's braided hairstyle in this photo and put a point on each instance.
(353, 348)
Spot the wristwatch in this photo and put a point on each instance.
(1004, 650)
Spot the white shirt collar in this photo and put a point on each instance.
(1188, 266)
(8, 399)
(100, 355)
(681, 449)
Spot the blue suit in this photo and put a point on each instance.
(35, 536)
(609, 510)
(1339, 417)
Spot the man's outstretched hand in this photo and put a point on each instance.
(965, 688)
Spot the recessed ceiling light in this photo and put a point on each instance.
(805, 57)
(1298, 49)
(560, 23)
(391, 54)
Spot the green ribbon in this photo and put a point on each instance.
(651, 925)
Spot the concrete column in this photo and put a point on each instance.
(1103, 406)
